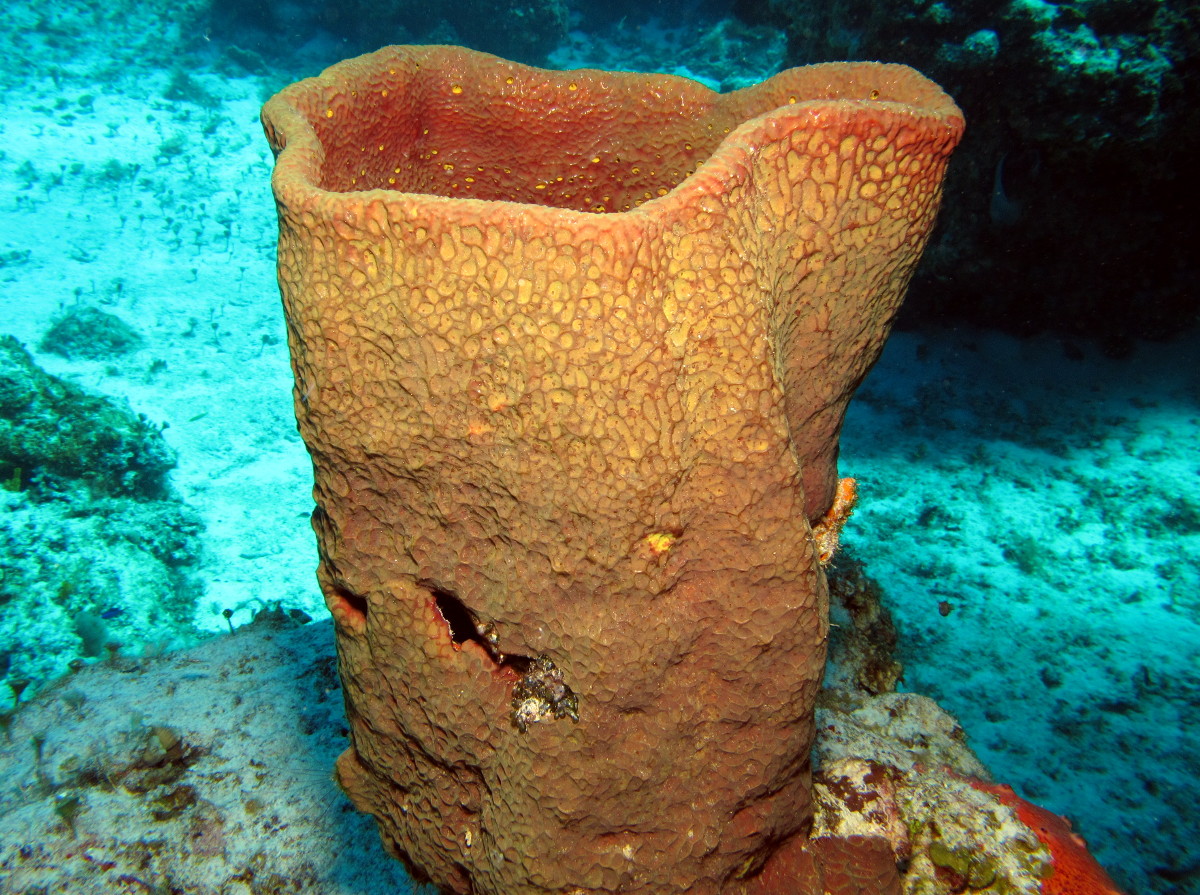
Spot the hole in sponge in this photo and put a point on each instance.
(539, 691)
(458, 618)
(463, 625)
(348, 607)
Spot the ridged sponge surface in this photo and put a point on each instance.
(572, 351)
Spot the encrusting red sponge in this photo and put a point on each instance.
(1075, 871)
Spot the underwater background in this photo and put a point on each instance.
(1027, 449)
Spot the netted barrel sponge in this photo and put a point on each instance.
(572, 352)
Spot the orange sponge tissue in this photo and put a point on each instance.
(572, 352)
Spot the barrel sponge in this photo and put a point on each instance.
(572, 352)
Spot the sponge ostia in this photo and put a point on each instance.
(572, 352)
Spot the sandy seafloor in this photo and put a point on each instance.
(1031, 509)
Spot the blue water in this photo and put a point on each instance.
(1030, 506)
